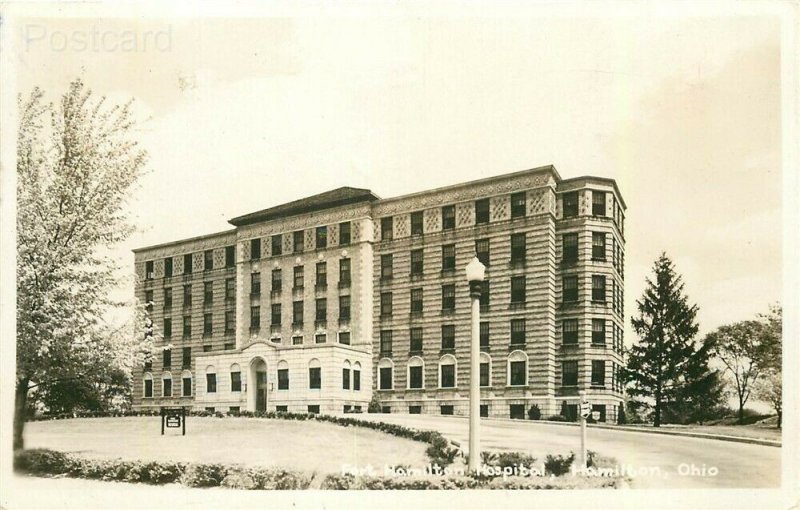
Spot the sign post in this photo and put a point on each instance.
(173, 417)
(586, 410)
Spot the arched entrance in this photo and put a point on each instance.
(257, 388)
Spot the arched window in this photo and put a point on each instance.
(447, 371)
(356, 376)
(186, 383)
(148, 385)
(314, 374)
(166, 384)
(517, 369)
(385, 374)
(283, 375)
(346, 375)
(416, 373)
(236, 377)
(486, 370)
(211, 379)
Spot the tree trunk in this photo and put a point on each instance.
(780, 415)
(741, 411)
(657, 417)
(20, 411)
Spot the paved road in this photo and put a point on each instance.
(653, 460)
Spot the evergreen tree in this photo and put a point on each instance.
(665, 366)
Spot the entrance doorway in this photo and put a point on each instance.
(258, 378)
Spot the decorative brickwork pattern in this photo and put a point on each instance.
(500, 208)
(309, 237)
(584, 202)
(376, 225)
(140, 270)
(551, 201)
(288, 244)
(401, 226)
(158, 268)
(355, 231)
(537, 202)
(219, 258)
(333, 235)
(433, 220)
(177, 265)
(197, 262)
(245, 250)
(465, 214)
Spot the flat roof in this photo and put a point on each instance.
(603, 179)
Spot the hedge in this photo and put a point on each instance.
(351, 482)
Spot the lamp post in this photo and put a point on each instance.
(475, 274)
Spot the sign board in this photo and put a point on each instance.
(173, 417)
(595, 415)
(173, 421)
(586, 409)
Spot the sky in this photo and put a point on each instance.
(243, 114)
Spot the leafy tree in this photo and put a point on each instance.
(739, 347)
(76, 166)
(665, 366)
(770, 387)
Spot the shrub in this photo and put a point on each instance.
(279, 479)
(556, 417)
(160, 473)
(203, 475)
(512, 459)
(374, 405)
(40, 461)
(534, 413)
(239, 479)
(621, 416)
(558, 465)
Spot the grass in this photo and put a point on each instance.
(301, 445)
(765, 429)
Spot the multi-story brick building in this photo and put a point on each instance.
(321, 302)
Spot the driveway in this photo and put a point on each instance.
(654, 461)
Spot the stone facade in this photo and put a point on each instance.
(526, 313)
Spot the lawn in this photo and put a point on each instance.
(754, 431)
(301, 445)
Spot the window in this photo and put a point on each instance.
(148, 270)
(416, 339)
(344, 233)
(482, 251)
(570, 204)
(569, 373)
(484, 299)
(482, 211)
(598, 203)
(322, 274)
(277, 281)
(386, 342)
(569, 245)
(598, 246)
(447, 372)
(416, 262)
(281, 409)
(297, 340)
(148, 364)
(517, 369)
(166, 356)
(598, 331)
(416, 223)
(386, 304)
(448, 257)
(187, 263)
(518, 247)
(598, 372)
(298, 277)
(297, 238)
(187, 295)
(518, 205)
(485, 378)
(208, 293)
(569, 331)
(516, 411)
(275, 319)
(208, 260)
(255, 318)
(230, 256)
(186, 357)
(230, 322)
(297, 313)
(207, 324)
(414, 409)
(448, 298)
(446, 410)
(234, 410)
(255, 284)
(484, 334)
(357, 379)
(211, 382)
(148, 386)
(518, 331)
(255, 249)
(167, 267)
(187, 326)
(230, 289)
(283, 378)
(320, 338)
(314, 377)
(344, 307)
(569, 289)
(236, 379)
(321, 310)
(344, 337)
(448, 337)
(518, 285)
(598, 288)
(207, 348)
(322, 237)
(416, 300)
(484, 410)
(166, 385)
(344, 271)
(600, 408)
(277, 244)
(385, 375)
(415, 371)
(386, 266)
(345, 378)
(387, 231)
(187, 384)
(167, 328)
(448, 217)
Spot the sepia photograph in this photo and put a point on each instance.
(381, 254)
